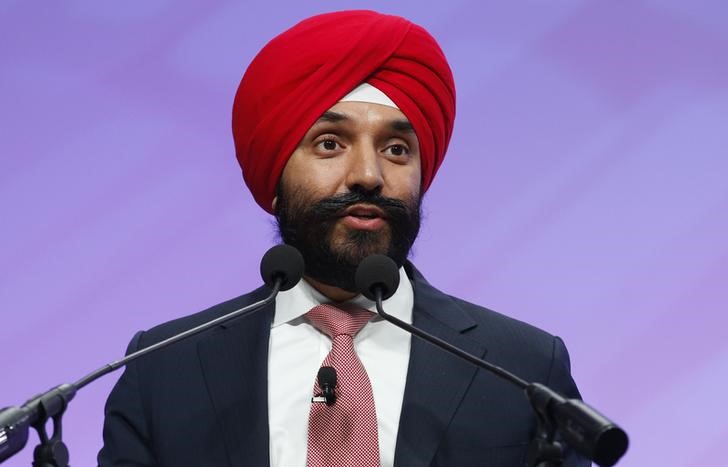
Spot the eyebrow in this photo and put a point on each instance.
(403, 126)
(332, 117)
(400, 125)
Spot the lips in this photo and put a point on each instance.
(364, 217)
(364, 211)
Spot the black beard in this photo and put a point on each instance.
(309, 228)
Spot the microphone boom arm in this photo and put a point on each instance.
(447, 346)
(91, 377)
(15, 422)
(586, 430)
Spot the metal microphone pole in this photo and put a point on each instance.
(544, 451)
(583, 428)
(281, 268)
(51, 405)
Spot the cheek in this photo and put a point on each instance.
(320, 177)
(405, 181)
(415, 174)
(416, 183)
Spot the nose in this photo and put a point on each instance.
(365, 171)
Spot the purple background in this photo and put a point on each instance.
(585, 191)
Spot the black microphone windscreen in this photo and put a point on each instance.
(586, 429)
(327, 376)
(284, 262)
(377, 271)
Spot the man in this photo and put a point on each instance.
(340, 125)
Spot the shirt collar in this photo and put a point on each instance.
(296, 302)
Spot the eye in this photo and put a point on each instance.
(328, 144)
(397, 150)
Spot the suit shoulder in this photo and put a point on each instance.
(175, 326)
(506, 338)
(489, 317)
(482, 315)
(528, 351)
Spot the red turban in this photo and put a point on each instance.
(304, 71)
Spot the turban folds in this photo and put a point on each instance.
(304, 71)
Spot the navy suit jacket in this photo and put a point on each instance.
(204, 401)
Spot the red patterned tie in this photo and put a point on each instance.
(343, 434)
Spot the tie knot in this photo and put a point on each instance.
(335, 321)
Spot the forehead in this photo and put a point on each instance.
(364, 113)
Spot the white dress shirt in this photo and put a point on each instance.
(296, 351)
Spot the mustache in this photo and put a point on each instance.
(333, 206)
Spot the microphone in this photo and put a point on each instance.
(377, 273)
(327, 382)
(282, 262)
(586, 430)
(281, 268)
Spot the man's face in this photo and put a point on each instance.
(351, 189)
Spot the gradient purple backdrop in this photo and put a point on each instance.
(585, 191)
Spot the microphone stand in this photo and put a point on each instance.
(544, 450)
(51, 405)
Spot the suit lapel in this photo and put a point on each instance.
(234, 359)
(436, 380)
